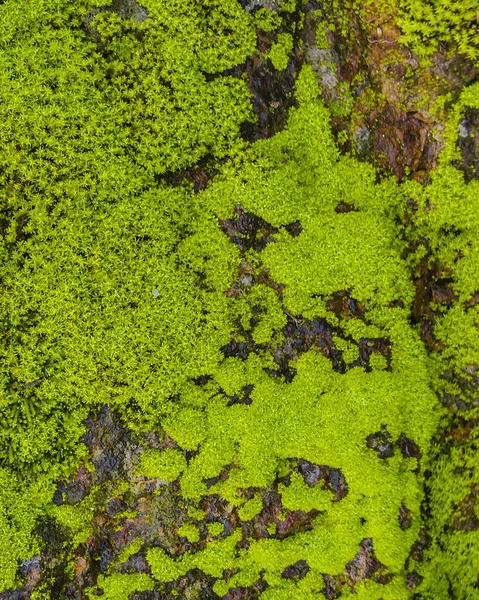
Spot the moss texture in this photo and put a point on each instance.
(181, 309)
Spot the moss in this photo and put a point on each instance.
(349, 350)
(280, 51)
(120, 586)
(166, 464)
(447, 221)
(267, 20)
(211, 561)
(426, 24)
(77, 518)
(190, 532)
(251, 508)
(298, 496)
(89, 142)
(215, 529)
(20, 508)
(131, 549)
(196, 513)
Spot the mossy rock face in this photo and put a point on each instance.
(225, 345)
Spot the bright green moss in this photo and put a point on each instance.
(448, 220)
(166, 464)
(284, 420)
(267, 20)
(85, 141)
(76, 518)
(131, 549)
(215, 529)
(299, 496)
(20, 507)
(196, 513)
(427, 23)
(211, 561)
(120, 586)
(251, 508)
(349, 351)
(280, 51)
(190, 532)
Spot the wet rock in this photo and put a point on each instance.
(294, 229)
(332, 479)
(244, 399)
(295, 522)
(364, 565)
(413, 579)
(408, 447)
(381, 442)
(467, 380)
(76, 489)
(405, 518)
(299, 336)
(251, 5)
(238, 348)
(223, 476)
(442, 292)
(467, 519)
(420, 545)
(325, 64)
(248, 231)
(362, 140)
(21, 594)
(106, 438)
(136, 563)
(367, 346)
(342, 303)
(333, 586)
(245, 280)
(272, 96)
(297, 571)
(247, 593)
(344, 207)
(114, 506)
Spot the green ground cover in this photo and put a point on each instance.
(114, 291)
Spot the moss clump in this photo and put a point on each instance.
(298, 495)
(166, 464)
(120, 586)
(446, 223)
(131, 549)
(280, 51)
(355, 251)
(196, 513)
(20, 507)
(211, 561)
(251, 508)
(425, 24)
(215, 529)
(190, 532)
